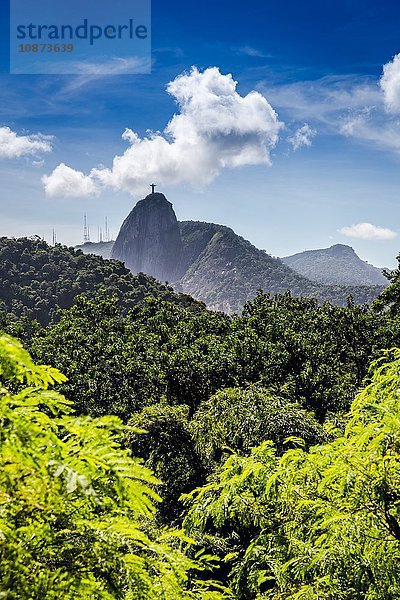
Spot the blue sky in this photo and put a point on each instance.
(317, 64)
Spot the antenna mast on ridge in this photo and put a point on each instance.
(107, 232)
(86, 234)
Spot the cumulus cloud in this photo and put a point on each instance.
(390, 85)
(68, 183)
(302, 137)
(214, 128)
(15, 146)
(367, 231)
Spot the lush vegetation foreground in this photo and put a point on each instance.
(189, 454)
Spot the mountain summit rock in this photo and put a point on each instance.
(149, 240)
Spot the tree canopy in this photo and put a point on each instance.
(317, 524)
(77, 510)
(272, 446)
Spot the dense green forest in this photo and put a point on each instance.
(36, 279)
(174, 452)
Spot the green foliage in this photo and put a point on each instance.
(118, 363)
(169, 451)
(237, 419)
(321, 524)
(80, 517)
(231, 513)
(389, 299)
(36, 279)
(316, 355)
(77, 511)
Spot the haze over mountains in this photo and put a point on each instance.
(215, 265)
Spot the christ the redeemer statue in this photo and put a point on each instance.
(153, 186)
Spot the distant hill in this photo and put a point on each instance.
(36, 279)
(337, 265)
(98, 248)
(224, 270)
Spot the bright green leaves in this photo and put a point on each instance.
(77, 510)
(16, 363)
(322, 524)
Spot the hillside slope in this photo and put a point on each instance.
(36, 279)
(338, 265)
(224, 270)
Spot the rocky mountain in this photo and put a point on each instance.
(224, 270)
(212, 263)
(337, 265)
(149, 240)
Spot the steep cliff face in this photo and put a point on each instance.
(150, 241)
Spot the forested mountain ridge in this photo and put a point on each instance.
(36, 279)
(225, 271)
(337, 265)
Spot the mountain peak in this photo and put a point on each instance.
(154, 200)
(155, 196)
(149, 240)
(341, 251)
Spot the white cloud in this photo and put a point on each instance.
(357, 107)
(68, 183)
(367, 231)
(390, 85)
(15, 146)
(117, 65)
(368, 126)
(93, 73)
(215, 128)
(302, 137)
